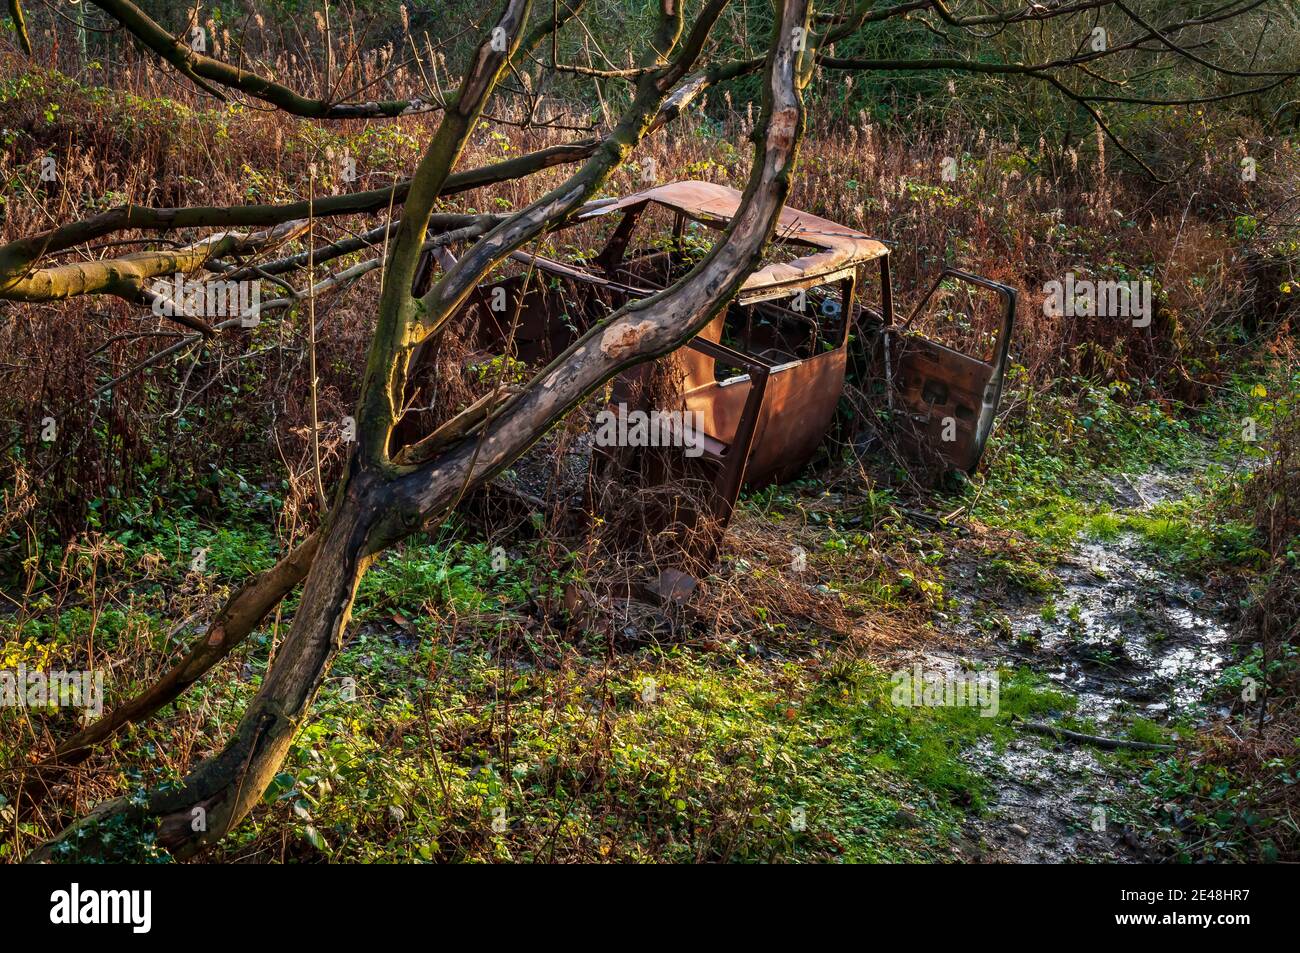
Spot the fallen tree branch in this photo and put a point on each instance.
(128, 276)
(452, 228)
(200, 69)
(1097, 741)
(18, 256)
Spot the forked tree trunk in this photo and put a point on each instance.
(377, 504)
(253, 601)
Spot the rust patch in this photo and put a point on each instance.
(832, 246)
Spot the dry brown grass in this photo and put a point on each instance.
(1019, 214)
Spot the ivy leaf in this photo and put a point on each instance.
(315, 839)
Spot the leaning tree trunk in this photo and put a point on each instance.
(227, 787)
(379, 503)
(251, 602)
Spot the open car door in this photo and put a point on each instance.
(943, 401)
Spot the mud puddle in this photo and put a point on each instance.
(1128, 640)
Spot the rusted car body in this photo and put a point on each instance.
(768, 373)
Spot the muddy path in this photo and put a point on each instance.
(1128, 639)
